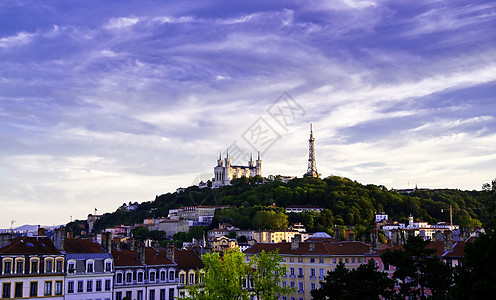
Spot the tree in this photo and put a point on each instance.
(365, 282)
(270, 220)
(140, 233)
(417, 270)
(265, 271)
(225, 278)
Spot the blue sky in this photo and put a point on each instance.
(105, 102)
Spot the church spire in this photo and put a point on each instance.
(312, 165)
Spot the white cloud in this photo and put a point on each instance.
(120, 23)
(20, 39)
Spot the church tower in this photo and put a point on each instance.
(312, 165)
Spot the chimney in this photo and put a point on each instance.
(170, 252)
(140, 253)
(59, 238)
(5, 238)
(295, 242)
(438, 236)
(41, 231)
(374, 239)
(448, 240)
(70, 235)
(311, 246)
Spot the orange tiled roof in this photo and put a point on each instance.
(30, 245)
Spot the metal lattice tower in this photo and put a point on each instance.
(312, 165)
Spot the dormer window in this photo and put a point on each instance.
(152, 276)
(49, 266)
(19, 266)
(140, 276)
(34, 266)
(7, 267)
(108, 266)
(59, 265)
(90, 266)
(71, 267)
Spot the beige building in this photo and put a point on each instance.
(277, 236)
(224, 172)
(308, 262)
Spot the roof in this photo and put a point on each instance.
(82, 246)
(130, 257)
(30, 245)
(188, 259)
(320, 248)
(303, 206)
(438, 246)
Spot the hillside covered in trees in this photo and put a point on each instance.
(345, 202)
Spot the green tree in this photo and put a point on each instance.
(140, 233)
(365, 282)
(265, 271)
(225, 278)
(270, 220)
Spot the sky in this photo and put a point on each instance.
(106, 102)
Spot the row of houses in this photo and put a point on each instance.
(67, 268)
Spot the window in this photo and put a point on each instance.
(312, 286)
(58, 287)
(140, 295)
(49, 266)
(34, 266)
(300, 272)
(312, 273)
(152, 295)
(162, 294)
(346, 260)
(191, 279)
(360, 260)
(89, 286)
(108, 286)
(129, 294)
(312, 260)
(162, 275)
(333, 260)
(321, 273)
(98, 285)
(108, 266)
(301, 287)
(181, 279)
(171, 275)
(118, 296)
(152, 276)
(7, 268)
(291, 259)
(140, 276)
(80, 286)
(284, 284)
(6, 290)
(321, 260)
(20, 267)
(300, 259)
(70, 287)
(59, 265)
(118, 278)
(89, 267)
(71, 267)
(171, 293)
(353, 260)
(18, 290)
(33, 289)
(129, 277)
(292, 284)
(48, 288)
(291, 272)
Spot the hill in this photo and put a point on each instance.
(346, 202)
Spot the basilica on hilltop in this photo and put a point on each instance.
(224, 172)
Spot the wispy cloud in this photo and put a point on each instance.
(20, 39)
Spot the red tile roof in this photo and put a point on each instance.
(30, 245)
(82, 246)
(187, 260)
(130, 258)
(320, 248)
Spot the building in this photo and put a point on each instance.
(145, 273)
(172, 227)
(201, 215)
(224, 172)
(301, 208)
(277, 236)
(90, 270)
(31, 267)
(189, 265)
(308, 262)
(223, 243)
